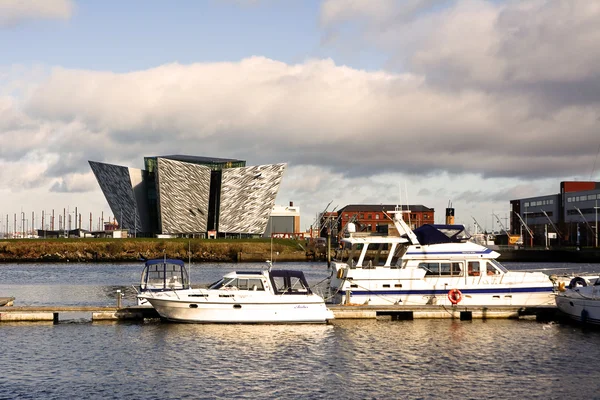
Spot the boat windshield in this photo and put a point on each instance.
(349, 253)
(499, 266)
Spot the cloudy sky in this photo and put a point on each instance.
(427, 102)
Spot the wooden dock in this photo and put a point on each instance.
(52, 313)
(395, 312)
(464, 313)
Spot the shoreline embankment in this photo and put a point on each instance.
(136, 249)
(223, 250)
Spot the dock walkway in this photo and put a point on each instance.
(395, 312)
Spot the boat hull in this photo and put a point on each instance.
(581, 309)
(242, 312)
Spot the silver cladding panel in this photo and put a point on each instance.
(115, 182)
(183, 192)
(247, 198)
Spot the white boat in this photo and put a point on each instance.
(268, 296)
(580, 300)
(435, 264)
(159, 275)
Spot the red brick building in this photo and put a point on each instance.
(372, 217)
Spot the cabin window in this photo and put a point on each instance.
(430, 268)
(491, 270)
(238, 284)
(351, 253)
(444, 268)
(473, 268)
(398, 253)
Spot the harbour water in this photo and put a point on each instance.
(353, 359)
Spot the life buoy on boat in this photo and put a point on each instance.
(455, 296)
(577, 281)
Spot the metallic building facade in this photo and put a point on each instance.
(181, 195)
(247, 198)
(183, 200)
(118, 188)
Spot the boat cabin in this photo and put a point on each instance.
(282, 281)
(164, 274)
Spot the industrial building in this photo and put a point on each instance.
(181, 195)
(569, 217)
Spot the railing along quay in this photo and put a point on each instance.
(394, 312)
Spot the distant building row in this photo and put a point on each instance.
(189, 195)
(372, 218)
(571, 216)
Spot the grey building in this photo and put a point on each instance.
(571, 216)
(189, 195)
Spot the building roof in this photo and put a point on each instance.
(199, 159)
(383, 207)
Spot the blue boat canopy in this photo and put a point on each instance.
(164, 261)
(437, 233)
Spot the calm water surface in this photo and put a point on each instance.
(360, 359)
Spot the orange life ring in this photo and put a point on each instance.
(455, 296)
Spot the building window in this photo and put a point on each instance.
(370, 216)
(526, 204)
(376, 216)
(425, 216)
(346, 216)
(362, 216)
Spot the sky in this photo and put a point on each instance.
(471, 103)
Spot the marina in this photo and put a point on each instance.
(362, 353)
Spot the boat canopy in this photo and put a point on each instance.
(437, 233)
(287, 281)
(164, 274)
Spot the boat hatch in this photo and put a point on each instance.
(164, 274)
(289, 282)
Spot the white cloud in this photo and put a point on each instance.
(494, 101)
(14, 12)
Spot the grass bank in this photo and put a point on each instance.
(132, 249)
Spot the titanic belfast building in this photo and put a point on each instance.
(189, 195)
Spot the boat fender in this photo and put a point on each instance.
(455, 296)
(340, 273)
(584, 316)
(577, 281)
(561, 286)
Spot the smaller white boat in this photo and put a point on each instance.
(580, 300)
(160, 275)
(268, 296)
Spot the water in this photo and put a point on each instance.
(354, 359)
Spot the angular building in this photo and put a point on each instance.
(189, 195)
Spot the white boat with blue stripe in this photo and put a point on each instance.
(432, 265)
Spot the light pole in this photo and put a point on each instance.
(596, 210)
(527, 229)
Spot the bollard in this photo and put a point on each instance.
(118, 298)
